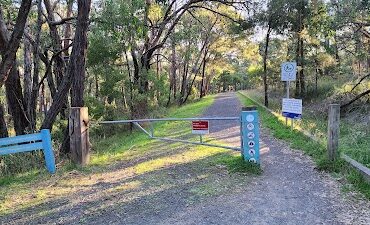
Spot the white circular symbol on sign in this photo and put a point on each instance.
(251, 135)
(288, 67)
(250, 126)
(251, 144)
(252, 160)
(250, 118)
(251, 152)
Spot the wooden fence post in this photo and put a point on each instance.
(79, 135)
(333, 131)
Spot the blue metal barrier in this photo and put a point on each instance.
(30, 142)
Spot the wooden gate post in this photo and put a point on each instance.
(333, 131)
(79, 135)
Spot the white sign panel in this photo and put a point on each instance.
(288, 71)
(292, 108)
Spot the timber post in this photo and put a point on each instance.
(79, 135)
(333, 131)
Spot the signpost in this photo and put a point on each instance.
(200, 127)
(288, 71)
(250, 135)
(292, 108)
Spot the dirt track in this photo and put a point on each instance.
(290, 191)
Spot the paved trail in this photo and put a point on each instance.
(290, 190)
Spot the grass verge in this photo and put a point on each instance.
(314, 149)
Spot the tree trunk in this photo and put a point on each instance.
(173, 67)
(337, 58)
(96, 86)
(27, 77)
(11, 45)
(3, 127)
(131, 104)
(68, 29)
(297, 84)
(79, 73)
(302, 78)
(58, 65)
(42, 99)
(36, 70)
(76, 66)
(265, 66)
(56, 43)
(202, 92)
(184, 81)
(15, 100)
(49, 77)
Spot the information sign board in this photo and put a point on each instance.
(292, 108)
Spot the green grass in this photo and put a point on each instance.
(115, 147)
(145, 159)
(317, 150)
(108, 150)
(236, 164)
(354, 132)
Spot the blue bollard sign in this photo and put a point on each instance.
(250, 135)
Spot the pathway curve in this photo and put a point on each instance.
(290, 191)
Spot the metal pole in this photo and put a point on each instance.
(287, 95)
(168, 119)
(287, 89)
(200, 139)
(197, 143)
(151, 128)
(292, 124)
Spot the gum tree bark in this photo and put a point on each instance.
(9, 44)
(76, 68)
(265, 65)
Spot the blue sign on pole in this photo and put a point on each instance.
(250, 135)
(292, 115)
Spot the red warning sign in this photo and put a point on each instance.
(200, 127)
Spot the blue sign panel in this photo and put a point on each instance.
(250, 136)
(292, 115)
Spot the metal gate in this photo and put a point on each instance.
(249, 132)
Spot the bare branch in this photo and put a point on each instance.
(359, 82)
(355, 99)
(61, 22)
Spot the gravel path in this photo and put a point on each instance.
(290, 191)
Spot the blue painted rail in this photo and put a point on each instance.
(30, 142)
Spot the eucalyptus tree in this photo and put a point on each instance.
(276, 18)
(146, 27)
(75, 74)
(9, 44)
(352, 23)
